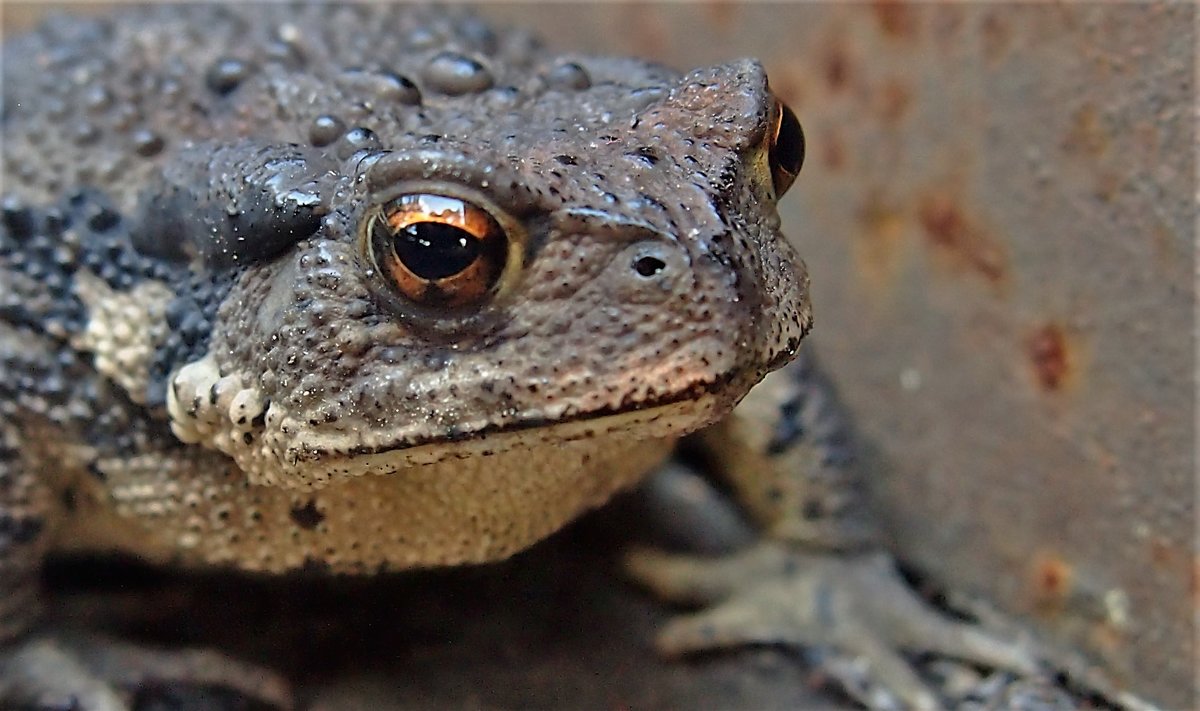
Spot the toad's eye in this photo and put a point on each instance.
(438, 250)
(785, 149)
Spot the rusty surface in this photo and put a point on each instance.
(998, 211)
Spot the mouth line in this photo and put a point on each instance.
(694, 392)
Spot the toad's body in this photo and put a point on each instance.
(374, 287)
(361, 415)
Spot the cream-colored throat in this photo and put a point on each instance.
(458, 510)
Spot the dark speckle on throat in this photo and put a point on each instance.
(307, 516)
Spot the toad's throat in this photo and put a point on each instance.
(449, 512)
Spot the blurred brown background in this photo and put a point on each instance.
(998, 210)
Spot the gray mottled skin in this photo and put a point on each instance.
(202, 362)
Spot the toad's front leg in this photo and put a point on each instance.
(816, 579)
(90, 673)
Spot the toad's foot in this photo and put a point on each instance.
(774, 594)
(93, 674)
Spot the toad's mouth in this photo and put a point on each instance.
(272, 446)
(657, 422)
(684, 408)
(318, 457)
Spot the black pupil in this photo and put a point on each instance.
(788, 151)
(649, 266)
(434, 250)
